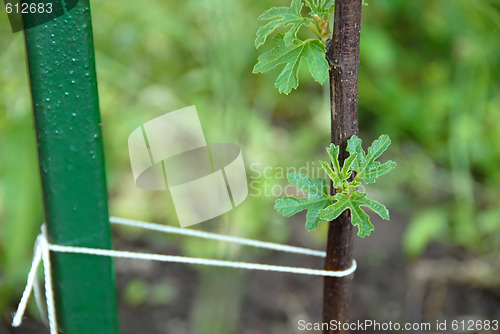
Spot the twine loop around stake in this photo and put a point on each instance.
(43, 248)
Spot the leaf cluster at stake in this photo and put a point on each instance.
(321, 206)
(290, 50)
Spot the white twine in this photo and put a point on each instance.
(47, 272)
(42, 309)
(43, 248)
(41, 254)
(37, 258)
(215, 236)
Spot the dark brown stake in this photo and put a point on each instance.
(343, 57)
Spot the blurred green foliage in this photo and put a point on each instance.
(140, 292)
(429, 78)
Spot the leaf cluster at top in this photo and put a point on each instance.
(321, 206)
(289, 49)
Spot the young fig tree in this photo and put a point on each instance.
(334, 55)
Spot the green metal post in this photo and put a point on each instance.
(68, 131)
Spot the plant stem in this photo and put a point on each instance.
(343, 57)
(315, 29)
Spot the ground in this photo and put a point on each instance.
(387, 287)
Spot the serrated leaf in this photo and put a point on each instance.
(282, 16)
(292, 55)
(365, 165)
(336, 180)
(346, 168)
(310, 186)
(320, 7)
(337, 175)
(316, 200)
(358, 217)
(320, 206)
(333, 153)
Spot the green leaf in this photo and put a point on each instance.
(333, 153)
(346, 169)
(303, 182)
(310, 51)
(320, 206)
(320, 7)
(317, 199)
(358, 217)
(337, 175)
(365, 165)
(282, 16)
(337, 181)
